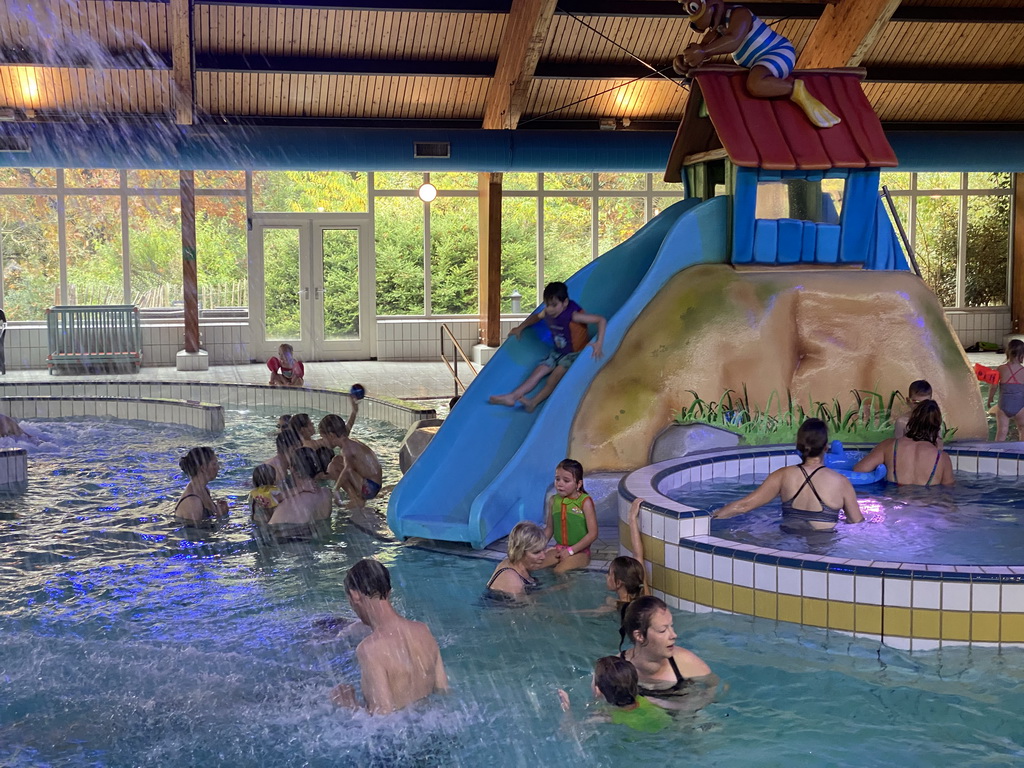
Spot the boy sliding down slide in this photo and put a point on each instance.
(568, 323)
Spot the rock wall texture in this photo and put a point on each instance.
(817, 333)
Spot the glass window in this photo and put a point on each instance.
(95, 268)
(28, 177)
(570, 181)
(618, 218)
(928, 181)
(895, 181)
(146, 179)
(398, 223)
(104, 178)
(519, 252)
(340, 248)
(936, 239)
(390, 180)
(659, 204)
(309, 191)
(154, 250)
(799, 199)
(988, 250)
(453, 181)
(519, 181)
(454, 266)
(29, 258)
(568, 240)
(622, 181)
(988, 180)
(222, 260)
(281, 258)
(658, 184)
(220, 179)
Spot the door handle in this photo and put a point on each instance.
(318, 293)
(305, 293)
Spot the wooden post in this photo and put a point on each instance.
(490, 258)
(1017, 256)
(190, 280)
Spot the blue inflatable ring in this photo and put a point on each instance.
(842, 462)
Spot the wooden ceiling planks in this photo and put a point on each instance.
(648, 100)
(943, 45)
(916, 102)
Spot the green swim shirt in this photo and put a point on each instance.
(645, 717)
(568, 519)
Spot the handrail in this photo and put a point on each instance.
(902, 231)
(455, 369)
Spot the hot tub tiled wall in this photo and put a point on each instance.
(905, 605)
(13, 470)
(206, 416)
(288, 400)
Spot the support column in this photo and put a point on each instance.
(489, 185)
(1017, 257)
(191, 358)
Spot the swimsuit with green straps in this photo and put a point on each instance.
(645, 717)
(568, 520)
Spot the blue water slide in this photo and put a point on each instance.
(489, 466)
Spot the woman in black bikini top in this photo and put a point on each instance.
(200, 465)
(798, 513)
(923, 426)
(527, 552)
(665, 670)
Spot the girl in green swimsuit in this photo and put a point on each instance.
(571, 519)
(615, 681)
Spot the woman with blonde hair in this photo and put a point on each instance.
(527, 551)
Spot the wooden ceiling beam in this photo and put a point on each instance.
(181, 61)
(654, 9)
(844, 33)
(518, 54)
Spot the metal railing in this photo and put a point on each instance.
(453, 364)
(902, 231)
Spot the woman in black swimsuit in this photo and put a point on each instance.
(527, 550)
(812, 494)
(670, 676)
(195, 505)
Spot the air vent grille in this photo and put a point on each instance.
(425, 149)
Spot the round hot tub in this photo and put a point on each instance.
(914, 576)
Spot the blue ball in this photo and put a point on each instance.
(358, 391)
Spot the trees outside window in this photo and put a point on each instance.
(959, 225)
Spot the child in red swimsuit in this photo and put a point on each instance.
(286, 370)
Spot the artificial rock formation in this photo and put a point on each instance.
(816, 333)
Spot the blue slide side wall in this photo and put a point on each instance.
(488, 466)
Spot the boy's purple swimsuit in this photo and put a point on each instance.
(566, 335)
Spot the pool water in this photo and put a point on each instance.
(976, 522)
(126, 642)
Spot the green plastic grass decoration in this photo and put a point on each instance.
(867, 419)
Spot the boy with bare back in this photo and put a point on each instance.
(400, 662)
(356, 469)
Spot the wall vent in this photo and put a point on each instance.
(14, 144)
(425, 149)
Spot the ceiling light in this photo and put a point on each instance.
(427, 192)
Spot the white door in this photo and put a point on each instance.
(311, 284)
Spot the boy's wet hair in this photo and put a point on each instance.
(287, 439)
(332, 424)
(811, 438)
(300, 421)
(286, 349)
(453, 401)
(195, 459)
(925, 422)
(919, 388)
(617, 681)
(264, 474)
(370, 578)
(556, 291)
